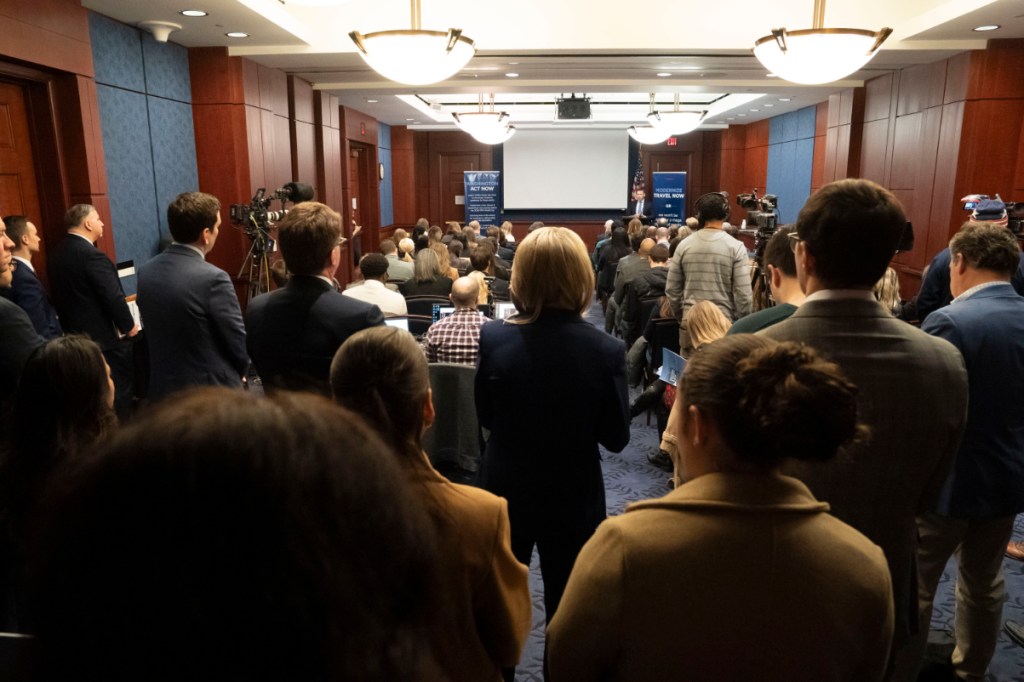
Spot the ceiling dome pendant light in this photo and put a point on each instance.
(414, 56)
(648, 134)
(675, 122)
(488, 127)
(818, 55)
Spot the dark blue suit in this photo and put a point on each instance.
(27, 291)
(550, 392)
(192, 322)
(17, 340)
(987, 478)
(935, 293)
(295, 331)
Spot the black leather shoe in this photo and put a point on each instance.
(660, 460)
(1015, 631)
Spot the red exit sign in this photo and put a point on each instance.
(671, 142)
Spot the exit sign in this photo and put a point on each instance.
(671, 142)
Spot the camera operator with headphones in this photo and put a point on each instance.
(709, 265)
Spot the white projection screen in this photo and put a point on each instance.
(566, 169)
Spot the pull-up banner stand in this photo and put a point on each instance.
(669, 196)
(482, 195)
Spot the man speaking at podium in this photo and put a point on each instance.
(639, 208)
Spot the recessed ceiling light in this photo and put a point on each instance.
(742, 115)
(731, 118)
(689, 68)
(237, 34)
(409, 119)
(987, 27)
(663, 74)
(415, 122)
(754, 110)
(771, 75)
(371, 101)
(785, 99)
(767, 104)
(513, 63)
(512, 74)
(192, 13)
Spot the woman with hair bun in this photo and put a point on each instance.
(739, 574)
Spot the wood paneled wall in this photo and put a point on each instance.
(736, 160)
(49, 51)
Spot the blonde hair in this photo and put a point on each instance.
(705, 322)
(635, 227)
(887, 291)
(552, 271)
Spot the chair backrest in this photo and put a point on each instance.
(666, 335)
(453, 440)
(424, 305)
(606, 277)
(646, 308)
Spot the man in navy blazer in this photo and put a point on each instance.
(295, 331)
(985, 490)
(17, 337)
(189, 308)
(89, 299)
(26, 289)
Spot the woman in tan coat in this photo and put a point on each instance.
(381, 373)
(739, 574)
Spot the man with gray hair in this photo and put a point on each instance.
(89, 299)
(984, 492)
(456, 338)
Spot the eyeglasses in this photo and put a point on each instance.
(794, 239)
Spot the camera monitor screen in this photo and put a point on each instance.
(442, 311)
(400, 322)
(503, 309)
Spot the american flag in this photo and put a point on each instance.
(638, 177)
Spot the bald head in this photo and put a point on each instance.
(646, 246)
(465, 291)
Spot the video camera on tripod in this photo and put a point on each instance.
(994, 210)
(762, 213)
(257, 221)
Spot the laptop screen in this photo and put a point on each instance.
(503, 309)
(442, 311)
(400, 322)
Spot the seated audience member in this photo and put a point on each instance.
(398, 235)
(294, 331)
(668, 591)
(373, 290)
(456, 338)
(497, 237)
(444, 261)
(405, 250)
(661, 235)
(510, 239)
(427, 278)
(26, 290)
(455, 258)
(452, 231)
(470, 235)
(648, 284)
(780, 268)
(421, 227)
(608, 260)
(62, 407)
(434, 234)
(381, 375)
(887, 292)
(636, 230)
(18, 337)
(398, 269)
(253, 550)
(602, 239)
(630, 267)
(482, 262)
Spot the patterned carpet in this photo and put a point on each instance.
(629, 477)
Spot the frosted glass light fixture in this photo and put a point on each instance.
(488, 127)
(414, 56)
(818, 55)
(675, 122)
(648, 134)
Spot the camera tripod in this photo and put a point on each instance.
(256, 268)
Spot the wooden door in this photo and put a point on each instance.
(452, 185)
(18, 189)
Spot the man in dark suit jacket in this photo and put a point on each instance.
(193, 323)
(913, 387)
(17, 336)
(985, 491)
(295, 331)
(90, 300)
(640, 207)
(26, 289)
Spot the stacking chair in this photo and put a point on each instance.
(424, 305)
(453, 440)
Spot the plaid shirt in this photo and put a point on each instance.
(456, 338)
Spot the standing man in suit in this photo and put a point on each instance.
(295, 331)
(913, 387)
(189, 307)
(26, 289)
(90, 300)
(985, 490)
(17, 336)
(640, 207)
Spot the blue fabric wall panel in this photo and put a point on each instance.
(174, 154)
(383, 137)
(116, 53)
(775, 129)
(125, 124)
(387, 211)
(802, 171)
(805, 122)
(166, 69)
(789, 127)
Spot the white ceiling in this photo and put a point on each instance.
(607, 49)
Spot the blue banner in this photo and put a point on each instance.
(483, 189)
(669, 197)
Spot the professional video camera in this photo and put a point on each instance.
(761, 212)
(994, 209)
(257, 221)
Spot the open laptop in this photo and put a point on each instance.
(400, 322)
(442, 311)
(503, 309)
